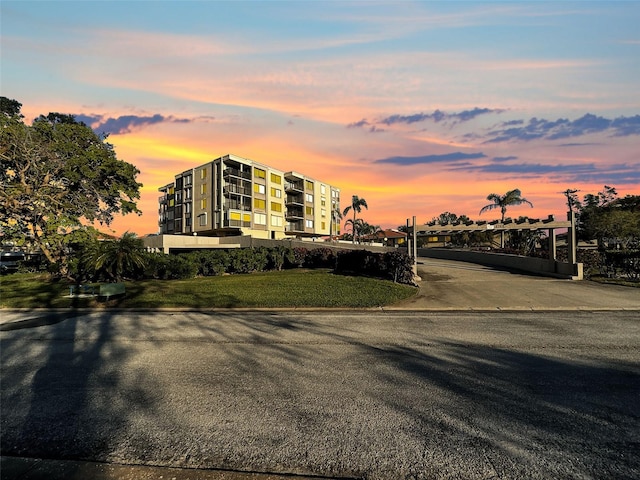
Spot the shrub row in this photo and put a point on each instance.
(394, 265)
(609, 263)
(621, 263)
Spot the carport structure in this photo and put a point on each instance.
(549, 224)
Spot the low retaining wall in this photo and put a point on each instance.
(176, 243)
(539, 266)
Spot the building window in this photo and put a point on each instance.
(187, 193)
(309, 198)
(309, 185)
(202, 219)
(259, 173)
(203, 173)
(171, 191)
(323, 212)
(323, 202)
(187, 208)
(324, 225)
(188, 180)
(276, 192)
(276, 207)
(259, 203)
(309, 223)
(276, 179)
(276, 221)
(323, 189)
(187, 222)
(309, 210)
(203, 203)
(259, 188)
(203, 189)
(259, 219)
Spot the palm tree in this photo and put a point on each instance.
(356, 228)
(118, 258)
(356, 205)
(336, 217)
(512, 197)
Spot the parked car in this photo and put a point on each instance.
(10, 261)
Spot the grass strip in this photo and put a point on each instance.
(288, 288)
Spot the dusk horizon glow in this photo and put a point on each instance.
(418, 107)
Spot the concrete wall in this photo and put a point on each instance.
(175, 243)
(540, 266)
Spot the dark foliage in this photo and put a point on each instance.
(396, 266)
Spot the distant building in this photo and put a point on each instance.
(232, 196)
(389, 237)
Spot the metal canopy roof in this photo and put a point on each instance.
(549, 223)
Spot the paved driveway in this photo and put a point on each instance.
(450, 285)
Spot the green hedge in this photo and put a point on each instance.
(621, 263)
(395, 266)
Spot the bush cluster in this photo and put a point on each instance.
(394, 265)
(608, 263)
(621, 263)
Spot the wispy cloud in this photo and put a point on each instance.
(564, 128)
(426, 159)
(360, 124)
(125, 123)
(621, 173)
(439, 116)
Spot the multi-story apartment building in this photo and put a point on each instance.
(237, 196)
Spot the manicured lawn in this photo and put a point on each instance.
(289, 288)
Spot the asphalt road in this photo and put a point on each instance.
(375, 395)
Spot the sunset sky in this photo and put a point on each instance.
(419, 107)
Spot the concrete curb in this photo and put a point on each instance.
(21, 468)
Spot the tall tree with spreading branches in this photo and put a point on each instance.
(57, 176)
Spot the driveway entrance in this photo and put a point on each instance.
(452, 285)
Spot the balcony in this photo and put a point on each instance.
(294, 213)
(294, 187)
(235, 204)
(236, 172)
(294, 200)
(236, 189)
(294, 227)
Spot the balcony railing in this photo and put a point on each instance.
(293, 187)
(294, 213)
(228, 189)
(234, 172)
(294, 227)
(294, 200)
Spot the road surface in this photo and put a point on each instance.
(375, 395)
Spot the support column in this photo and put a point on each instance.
(552, 244)
(415, 251)
(571, 238)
